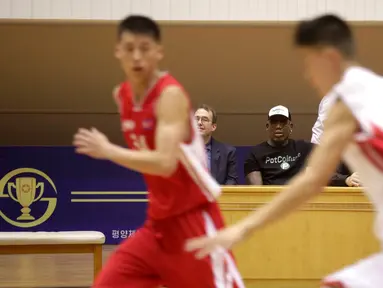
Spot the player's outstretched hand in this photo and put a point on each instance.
(224, 239)
(91, 142)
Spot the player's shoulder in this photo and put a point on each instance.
(116, 91)
(116, 94)
(119, 88)
(121, 85)
(170, 90)
(171, 100)
(355, 78)
(169, 80)
(358, 74)
(169, 87)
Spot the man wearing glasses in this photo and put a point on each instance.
(222, 160)
(278, 159)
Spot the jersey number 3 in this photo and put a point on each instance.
(139, 142)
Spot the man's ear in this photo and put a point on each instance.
(213, 126)
(160, 53)
(117, 51)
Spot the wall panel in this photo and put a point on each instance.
(62, 75)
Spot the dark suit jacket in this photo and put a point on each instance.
(223, 163)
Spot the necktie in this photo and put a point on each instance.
(208, 152)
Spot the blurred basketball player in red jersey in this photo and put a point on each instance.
(158, 125)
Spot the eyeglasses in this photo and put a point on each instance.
(203, 119)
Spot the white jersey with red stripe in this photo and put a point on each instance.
(191, 185)
(362, 92)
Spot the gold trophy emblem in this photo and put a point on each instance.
(25, 194)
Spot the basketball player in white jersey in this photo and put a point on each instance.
(353, 131)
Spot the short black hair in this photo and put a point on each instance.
(139, 24)
(326, 30)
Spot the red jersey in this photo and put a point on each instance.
(190, 185)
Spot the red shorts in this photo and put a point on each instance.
(155, 256)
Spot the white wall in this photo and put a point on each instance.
(274, 10)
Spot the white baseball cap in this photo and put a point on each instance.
(279, 110)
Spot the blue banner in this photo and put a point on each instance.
(54, 189)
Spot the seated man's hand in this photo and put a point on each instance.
(353, 180)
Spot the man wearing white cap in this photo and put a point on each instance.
(278, 159)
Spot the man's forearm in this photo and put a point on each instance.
(338, 180)
(143, 161)
(253, 177)
(300, 190)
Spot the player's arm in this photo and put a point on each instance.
(323, 161)
(172, 128)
